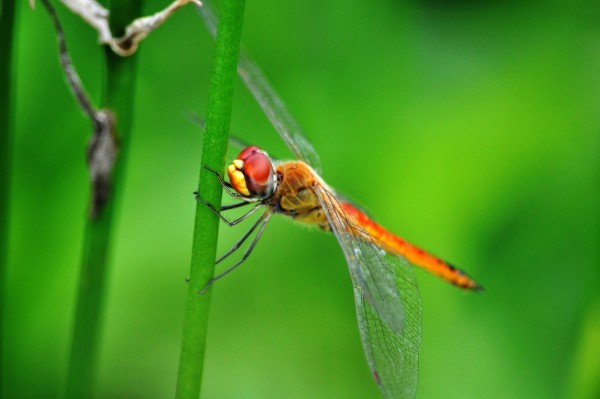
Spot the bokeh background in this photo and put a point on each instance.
(471, 128)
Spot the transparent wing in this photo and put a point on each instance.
(388, 304)
(269, 101)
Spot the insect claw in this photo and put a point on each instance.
(207, 287)
(197, 197)
(210, 170)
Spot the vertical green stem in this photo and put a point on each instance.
(7, 13)
(118, 97)
(207, 224)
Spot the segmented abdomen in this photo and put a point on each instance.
(393, 244)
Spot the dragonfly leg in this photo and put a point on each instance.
(262, 222)
(227, 207)
(226, 185)
(234, 206)
(240, 242)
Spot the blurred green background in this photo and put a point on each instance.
(471, 128)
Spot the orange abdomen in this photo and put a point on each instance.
(393, 244)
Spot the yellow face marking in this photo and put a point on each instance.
(238, 163)
(237, 178)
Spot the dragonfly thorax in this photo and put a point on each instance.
(252, 174)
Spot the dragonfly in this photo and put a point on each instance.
(388, 304)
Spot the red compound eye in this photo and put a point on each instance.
(246, 152)
(258, 172)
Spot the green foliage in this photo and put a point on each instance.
(87, 333)
(206, 230)
(7, 18)
(471, 130)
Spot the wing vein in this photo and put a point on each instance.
(388, 304)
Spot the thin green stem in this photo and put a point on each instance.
(6, 112)
(118, 98)
(206, 230)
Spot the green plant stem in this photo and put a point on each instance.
(7, 15)
(117, 97)
(206, 229)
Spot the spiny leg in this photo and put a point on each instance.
(240, 241)
(234, 206)
(262, 221)
(228, 188)
(223, 207)
(227, 207)
(226, 185)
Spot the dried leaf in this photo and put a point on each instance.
(97, 17)
(103, 146)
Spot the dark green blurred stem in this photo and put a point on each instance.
(118, 97)
(7, 13)
(206, 229)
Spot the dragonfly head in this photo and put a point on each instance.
(252, 174)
